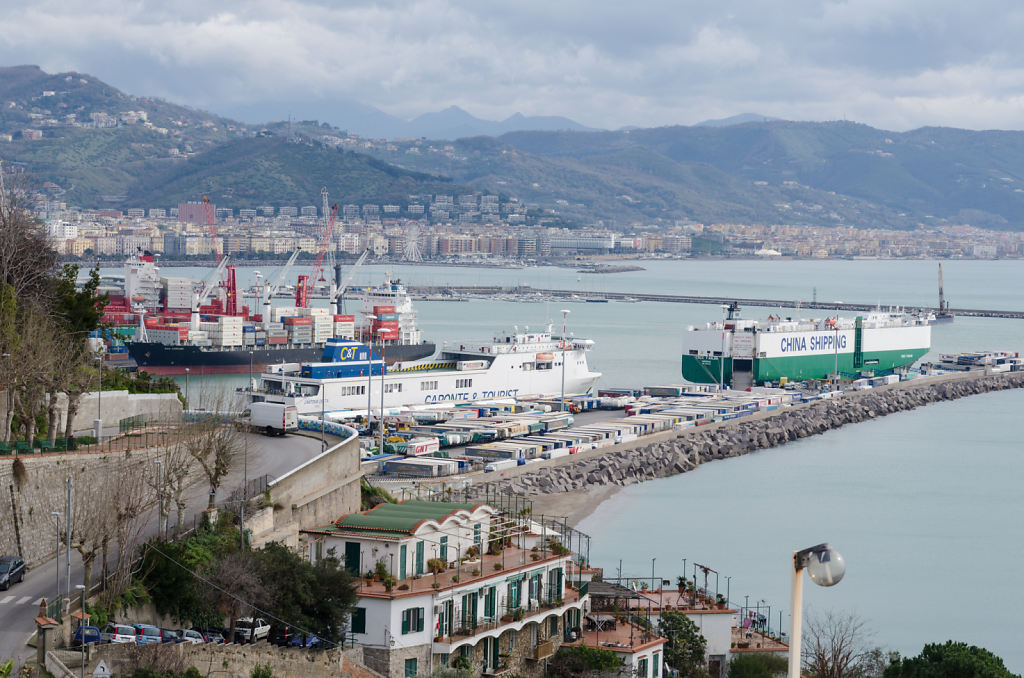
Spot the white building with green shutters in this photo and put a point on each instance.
(443, 583)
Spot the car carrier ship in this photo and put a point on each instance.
(741, 352)
(512, 365)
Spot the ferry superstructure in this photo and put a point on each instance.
(742, 352)
(512, 365)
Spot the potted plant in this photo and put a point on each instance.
(535, 556)
(720, 601)
(436, 585)
(403, 587)
(389, 582)
(681, 583)
(436, 565)
(497, 566)
(455, 579)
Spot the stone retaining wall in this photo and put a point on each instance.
(731, 439)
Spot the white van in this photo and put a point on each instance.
(273, 418)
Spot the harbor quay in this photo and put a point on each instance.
(573, 486)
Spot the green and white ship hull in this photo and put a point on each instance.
(742, 352)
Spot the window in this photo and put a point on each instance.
(410, 668)
(512, 638)
(428, 385)
(463, 383)
(641, 668)
(443, 657)
(419, 557)
(514, 597)
(444, 549)
(412, 620)
(553, 630)
(359, 620)
(392, 388)
(654, 665)
(403, 557)
(476, 534)
(490, 598)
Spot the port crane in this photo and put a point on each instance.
(210, 284)
(337, 294)
(270, 289)
(229, 282)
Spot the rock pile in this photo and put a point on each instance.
(731, 439)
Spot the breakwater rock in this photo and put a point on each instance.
(695, 446)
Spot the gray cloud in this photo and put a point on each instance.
(890, 63)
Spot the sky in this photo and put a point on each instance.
(893, 64)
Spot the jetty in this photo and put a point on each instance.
(555, 294)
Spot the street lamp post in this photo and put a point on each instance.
(728, 588)
(369, 368)
(81, 624)
(99, 404)
(826, 568)
(835, 374)
(186, 388)
(67, 542)
(160, 496)
(721, 356)
(383, 368)
(56, 515)
(565, 312)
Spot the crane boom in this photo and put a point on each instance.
(271, 288)
(211, 226)
(209, 285)
(325, 240)
(348, 279)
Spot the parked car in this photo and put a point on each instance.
(250, 630)
(12, 571)
(281, 635)
(146, 634)
(212, 635)
(308, 642)
(91, 634)
(170, 636)
(190, 636)
(117, 633)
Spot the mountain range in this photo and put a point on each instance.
(93, 153)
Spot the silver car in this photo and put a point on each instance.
(117, 633)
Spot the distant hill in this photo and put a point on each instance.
(103, 158)
(367, 121)
(740, 119)
(274, 171)
(835, 173)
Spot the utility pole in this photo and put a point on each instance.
(67, 542)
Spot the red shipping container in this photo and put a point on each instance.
(298, 321)
(277, 340)
(344, 318)
(377, 310)
(388, 334)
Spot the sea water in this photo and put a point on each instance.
(924, 505)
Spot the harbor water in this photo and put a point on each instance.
(924, 505)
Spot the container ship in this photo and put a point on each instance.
(175, 325)
(741, 353)
(512, 365)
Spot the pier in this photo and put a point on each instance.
(464, 290)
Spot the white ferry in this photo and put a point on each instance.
(512, 365)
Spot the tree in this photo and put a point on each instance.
(834, 645)
(214, 446)
(950, 660)
(577, 661)
(750, 665)
(685, 649)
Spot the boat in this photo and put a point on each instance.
(943, 315)
(742, 352)
(224, 338)
(517, 364)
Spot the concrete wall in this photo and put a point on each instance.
(116, 405)
(313, 494)
(37, 485)
(236, 661)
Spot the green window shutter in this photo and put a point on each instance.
(419, 619)
(403, 556)
(410, 668)
(476, 534)
(654, 664)
(419, 557)
(405, 622)
(444, 549)
(359, 620)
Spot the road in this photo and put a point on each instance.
(20, 604)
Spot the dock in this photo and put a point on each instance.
(464, 290)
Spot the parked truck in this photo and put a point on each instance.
(273, 418)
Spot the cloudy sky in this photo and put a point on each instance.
(896, 64)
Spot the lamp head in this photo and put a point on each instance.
(826, 566)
